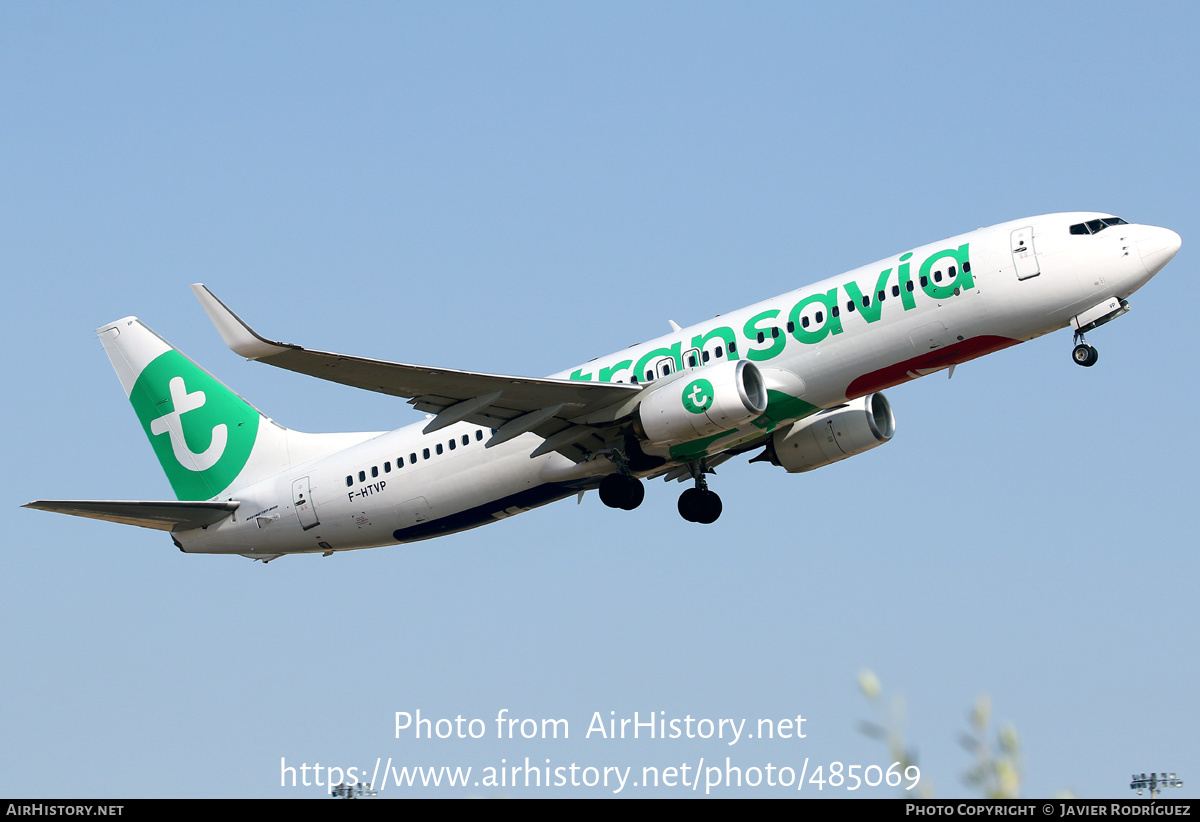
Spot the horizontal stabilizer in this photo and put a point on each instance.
(162, 516)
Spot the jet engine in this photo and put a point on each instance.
(832, 435)
(701, 402)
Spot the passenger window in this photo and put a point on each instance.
(820, 316)
(775, 333)
(452, 444)
(834, 311)
(733, 348)
(951, 272)
(412, 458)
(909, 286)
(425, 453)
(791, 327)
(439, 448)
(720, 351)
(895, 291)
(937, 276)
(866, 301)
(387, 467)
(967, 266)
(850, 306)
(924, 281)
(881, 295)
(362, 476)
(804, 322)
(479, 431)
(466, 439)
(349, 480)
(374, 471)
(762, 337)
(705, 356)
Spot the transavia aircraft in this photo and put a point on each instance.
(796, 377)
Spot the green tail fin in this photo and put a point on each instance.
(202, 433)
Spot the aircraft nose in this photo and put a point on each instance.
(1158, 246)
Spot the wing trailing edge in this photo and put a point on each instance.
(511, 404)
(429, 389)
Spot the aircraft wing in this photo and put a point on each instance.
(169, 515)
(551, 408)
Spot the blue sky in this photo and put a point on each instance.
(519, 188)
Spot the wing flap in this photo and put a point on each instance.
(167, 515)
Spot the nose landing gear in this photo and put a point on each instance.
(1084, 354)
(1093, 318)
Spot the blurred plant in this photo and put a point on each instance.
(890, 728)
(996, 771)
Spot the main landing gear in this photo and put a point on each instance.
(622, 491)
(625, 491)
(699, 504)
(1083, 354)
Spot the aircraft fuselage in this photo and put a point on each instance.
(798, 375)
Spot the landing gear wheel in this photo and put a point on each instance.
(688, 504)
(635, 493)
(699, 505)
(622, 491)
(1085, 355)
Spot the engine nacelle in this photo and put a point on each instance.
(833, 435)
(702, 402)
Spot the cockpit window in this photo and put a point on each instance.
(1096, 226)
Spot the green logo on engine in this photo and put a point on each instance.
(201, 431)
(698, 396)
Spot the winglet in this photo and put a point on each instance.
(241, 338)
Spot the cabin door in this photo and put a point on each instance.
(1024, 255)
(302, 499)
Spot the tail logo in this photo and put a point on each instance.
(201, 432)
(171, 425)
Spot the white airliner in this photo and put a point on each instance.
(796, 377)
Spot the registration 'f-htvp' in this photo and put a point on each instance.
(796, 378)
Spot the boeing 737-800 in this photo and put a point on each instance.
(797, 377)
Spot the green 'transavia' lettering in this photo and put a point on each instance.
(942, 275)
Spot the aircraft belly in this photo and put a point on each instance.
(490, 511)
(470, 489)
(510, 483)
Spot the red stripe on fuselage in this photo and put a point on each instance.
(954, 354)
